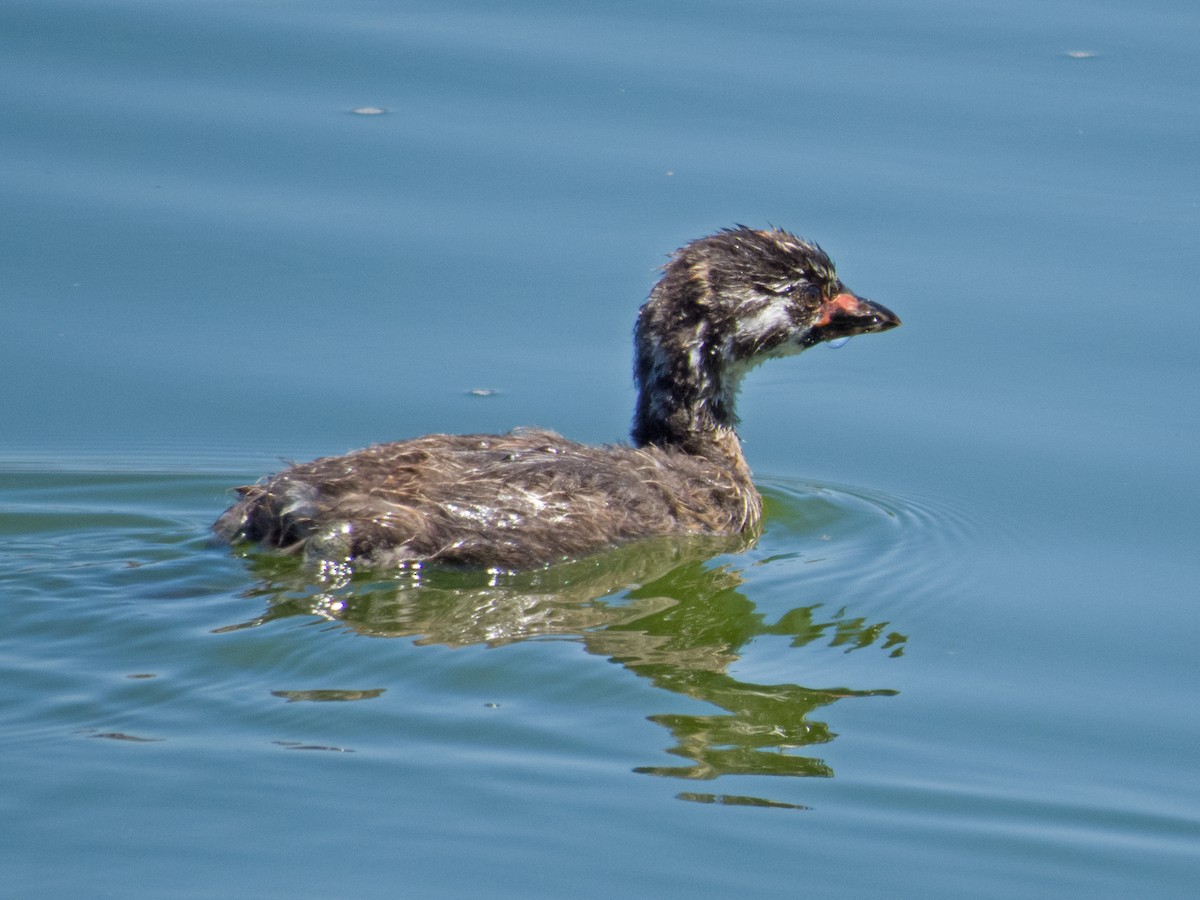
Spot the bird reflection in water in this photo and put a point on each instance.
(682, 624)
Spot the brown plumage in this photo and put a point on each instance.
(724, 304)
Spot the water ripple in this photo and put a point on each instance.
(907, 551)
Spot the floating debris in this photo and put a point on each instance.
(296, 745)
(122, 736)
(327, 696)
(1080, 54)
(368, 110)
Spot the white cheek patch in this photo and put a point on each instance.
(771, 318)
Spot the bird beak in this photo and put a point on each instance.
(847, 314)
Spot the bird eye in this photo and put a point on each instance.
(804, 290)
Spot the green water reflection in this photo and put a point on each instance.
(682, 625)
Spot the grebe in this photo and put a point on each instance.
(724, 304)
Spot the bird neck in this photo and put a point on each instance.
(686, 403)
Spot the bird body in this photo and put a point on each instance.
(531, 497)
(506, 501)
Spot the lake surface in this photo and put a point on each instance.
(959, 662)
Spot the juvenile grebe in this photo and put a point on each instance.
(724, 304)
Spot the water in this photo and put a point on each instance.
(958, 663)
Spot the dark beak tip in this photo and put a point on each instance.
(885, 317)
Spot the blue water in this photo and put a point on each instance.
(960, 662)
